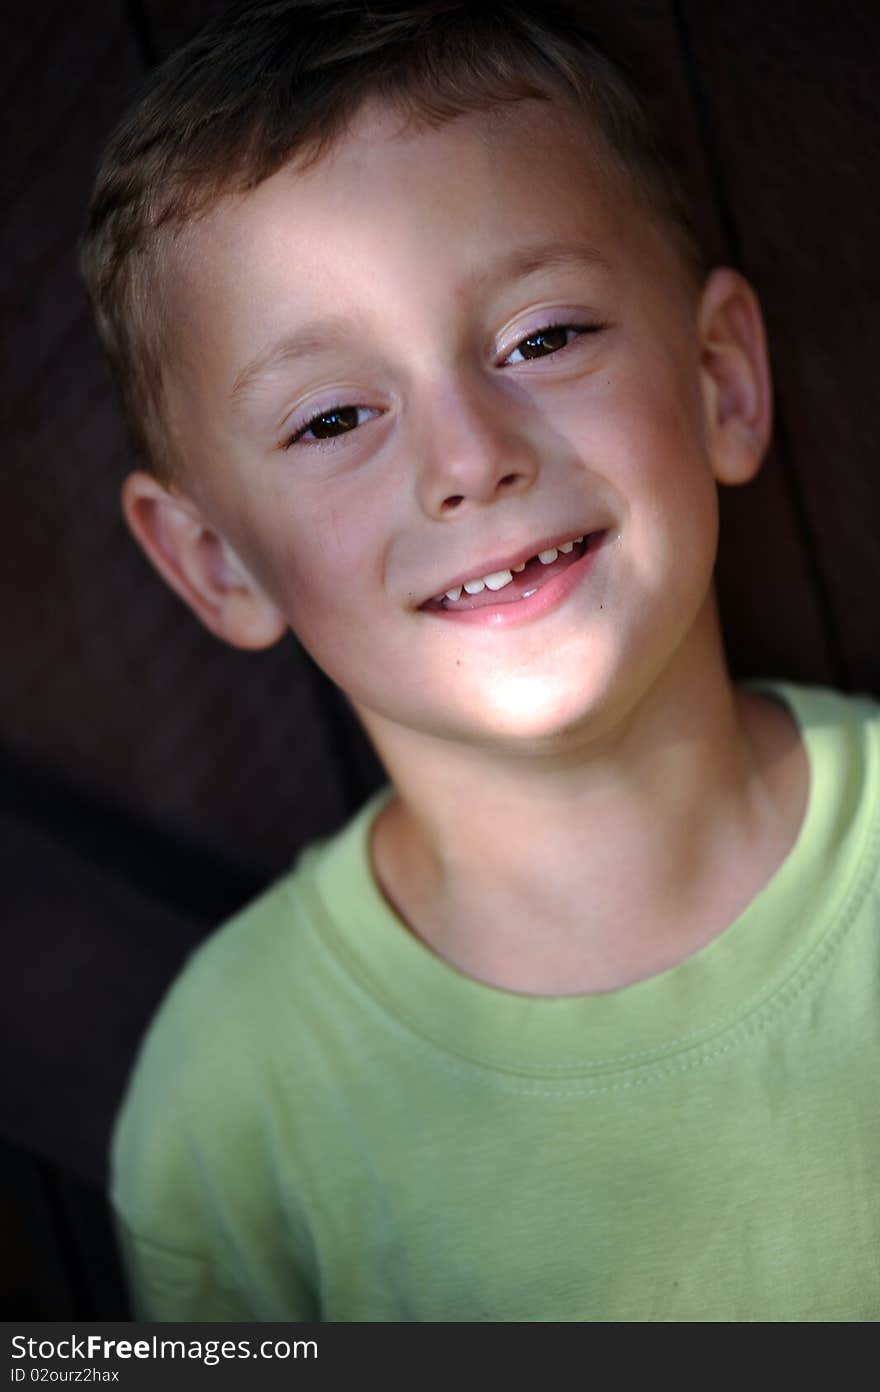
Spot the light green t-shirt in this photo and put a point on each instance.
(328, 1122)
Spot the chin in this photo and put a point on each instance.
(531, 712)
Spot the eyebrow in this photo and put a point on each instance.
(306, 342)
(542, 256)
(321, 335)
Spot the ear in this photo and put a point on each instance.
(735, 375)
(199, 564)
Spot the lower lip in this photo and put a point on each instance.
(521, 611)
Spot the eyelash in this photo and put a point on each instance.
(577, 329)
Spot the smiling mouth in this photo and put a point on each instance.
(522, 584)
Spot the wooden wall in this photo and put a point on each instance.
(773, 113)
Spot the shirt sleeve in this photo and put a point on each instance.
(207, 1216)
(165, 1285)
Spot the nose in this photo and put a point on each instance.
(473, 447)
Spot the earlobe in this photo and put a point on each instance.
(199, 564)
(736, 376)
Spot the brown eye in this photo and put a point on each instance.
(330, 425)
(537, 345)
(543, 343)
(333, 423)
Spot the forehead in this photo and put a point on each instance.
(384, 162)
(392, 218)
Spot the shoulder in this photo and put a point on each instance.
(816, 702)
(219, 1003)
(259, 972)
(186, 1120)
(839, 721)
(243, 981)
(841, 735)
(834, 737)
(235, 1044)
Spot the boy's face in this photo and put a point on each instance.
(403, 283)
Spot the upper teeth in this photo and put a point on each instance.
(499, 578)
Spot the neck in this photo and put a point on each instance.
(605, 858)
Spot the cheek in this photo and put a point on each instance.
(323, 563)
(658, 464)
(660, 437)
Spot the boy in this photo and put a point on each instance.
(575, 1021)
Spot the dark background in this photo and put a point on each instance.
(153, 779)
